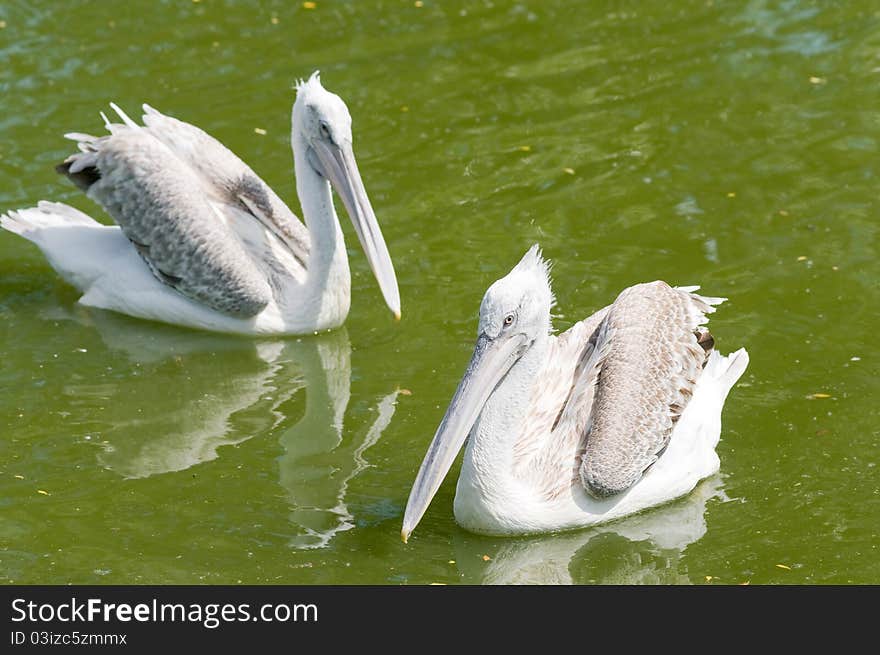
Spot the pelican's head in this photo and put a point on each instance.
(319, 114)
(515, 312)
(322, 125)
(520, 302)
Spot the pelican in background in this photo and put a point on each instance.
(620, 413)
(201, 240)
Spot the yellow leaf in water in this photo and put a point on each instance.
(18, 477)
(438, 584)
(817, 80)
(2, 24)
(783, 566)
(404, 108)
(309, 5)
(274, 20)
(419, 3)
(486, 558)
(731, 194)
(569, 171)
(525, 148)
(404, 392)
(820, 395)
(260, 131)
(802, 258)
(45, 493)
(452, 561)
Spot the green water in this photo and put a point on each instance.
(728, 144)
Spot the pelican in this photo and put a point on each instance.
(619, 413)
(201, 240)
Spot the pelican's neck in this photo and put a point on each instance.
(328, 281)
(488, 459)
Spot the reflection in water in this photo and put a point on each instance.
(174, 431)
(319, 461)
(189, 393)
(642, 549)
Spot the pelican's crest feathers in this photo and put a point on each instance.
(533, 263)
(313, 83)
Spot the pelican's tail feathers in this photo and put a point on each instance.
(30, 221)
(725, 371)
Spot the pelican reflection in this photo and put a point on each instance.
(187, 394)
(644, 548)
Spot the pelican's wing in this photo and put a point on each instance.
(643, 361)
(229, 178)
(554, 421)
(165, 208)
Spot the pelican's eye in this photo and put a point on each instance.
(325, 129)
(508, 320)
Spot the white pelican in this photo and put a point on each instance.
(619, 413)
(201, 240)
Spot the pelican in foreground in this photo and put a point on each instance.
(201, 240)
(619, 413)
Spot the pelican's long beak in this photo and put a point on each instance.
(490, 362)
(339, 166)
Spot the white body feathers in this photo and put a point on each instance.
(490, 499)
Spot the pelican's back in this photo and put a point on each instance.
(203, 221)
(164, 207)
(230, 178)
